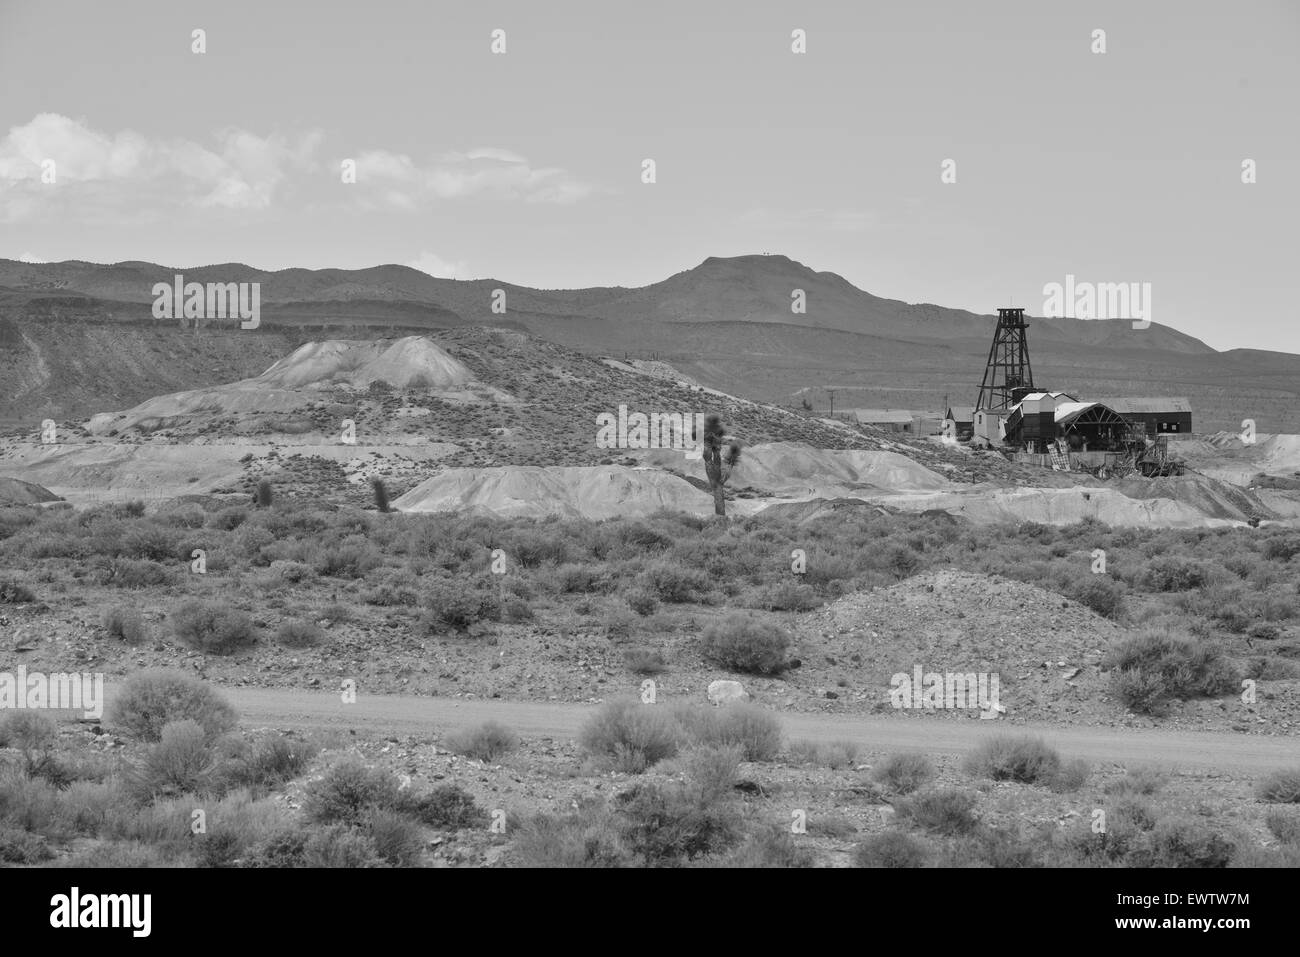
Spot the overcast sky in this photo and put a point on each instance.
(526, 166)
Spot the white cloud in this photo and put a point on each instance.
(438, 267)
(29, 258)
(127, 175)
(488, 172)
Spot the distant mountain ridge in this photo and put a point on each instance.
(79, 338)
(754, 288)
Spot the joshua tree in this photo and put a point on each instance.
(381, 494)
(263, 494)
(721, 453)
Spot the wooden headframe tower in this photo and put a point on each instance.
(1007, 377)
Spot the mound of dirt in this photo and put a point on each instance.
(297, 380)
(604, 491)
(1226, 457)
(793, 468)
(1210, 497)
(17, 492)
(1044, 648)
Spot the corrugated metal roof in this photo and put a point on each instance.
(1148, 404)
(962, 413)
(1068, 410)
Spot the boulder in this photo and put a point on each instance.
(725, 692)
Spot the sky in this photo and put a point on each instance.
(528, 165)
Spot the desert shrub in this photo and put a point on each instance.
(33, 733)
(828, 754)
(339, 845)
(944, 811)
(590, 837)
(1282, 547)
(769, 847)
(132, 573)
(153, 698)
(1101, 593)
(788, 596)
(211, 628)
(346, 792)
(1183, 842)
(286, 847)
(747, 644)
(486, 742)
(666, 823)
(299, 634)
(1020, 758)
(630, 736)
(641, 601)
(1284, 824)
(673, 583)
(125, 624)
(149, 541)
(644, 661)
(1280, 787)
(893, 848)
(1144, 781)
(1171, 573)
(1151, 666)
(996, 847)
(398, 840)
(30, 804)
(456, 604)
(15, 593)
(263, 496)
(1070, 776)
(446, 806)
(265, 763)
(228, 519)
(20, 847)
(353, 557)
(291, 571)
(757, 733)
(581, 578)
(904, 772)
(114, 855)
(183, 762)
(380, 492)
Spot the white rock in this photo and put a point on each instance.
(723, 692)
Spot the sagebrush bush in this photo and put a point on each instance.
(15, 593)
(299, 634)
(747, 644)
(398, 840)
(944, 811)
(904, 772)
(1151, 666)
(757, 733)
(182, 762)
(1101, 593)
(893, 848)
(1280, 787)
(673, 583)
(265, 763)
(1021, 758)
(1284, 823)
(590, 837)
(827, 754)
(484, 742)
(630, 736)
(446, 806)
(123, 623)
(456, 604)
(644, 661)
(154, 698)
(349, 790)
(212, 628)
(769, 847)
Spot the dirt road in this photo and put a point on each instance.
(404, 714)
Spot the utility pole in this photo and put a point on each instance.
(832, 395)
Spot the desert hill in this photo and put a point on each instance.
(77, 338)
